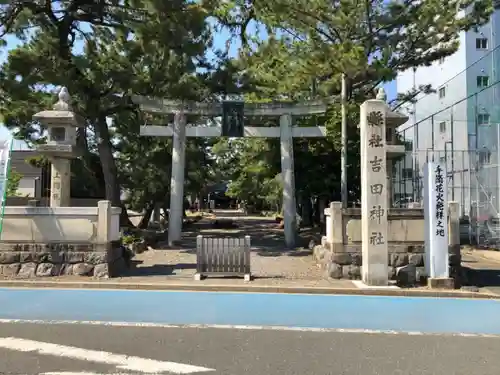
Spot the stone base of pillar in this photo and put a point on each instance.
(441, 283)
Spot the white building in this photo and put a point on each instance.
(32, 178)
(456, 125)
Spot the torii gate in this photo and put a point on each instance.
(179, 131)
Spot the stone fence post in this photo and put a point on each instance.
(107, 241)
(334, 226)
(103, 222)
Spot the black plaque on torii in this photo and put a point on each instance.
(233, 119)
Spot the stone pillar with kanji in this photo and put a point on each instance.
(61, 123)
(374, 205)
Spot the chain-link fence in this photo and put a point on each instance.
(457, 125)
(473, 180)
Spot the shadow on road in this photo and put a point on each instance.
(483, 278)
(267, 238)
(158, 269)
(481, 273)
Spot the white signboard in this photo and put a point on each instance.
(436, 220)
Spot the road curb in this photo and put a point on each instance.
(26, 284)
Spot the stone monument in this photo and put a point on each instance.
(62, 124)
(437, 242)
(355, 245)
(374, 191)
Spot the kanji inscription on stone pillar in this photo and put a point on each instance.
(374, 208)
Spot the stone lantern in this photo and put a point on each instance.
(62, 124)
(394, 149)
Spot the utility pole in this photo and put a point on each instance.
(343, 152)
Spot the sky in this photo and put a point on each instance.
(219, 43)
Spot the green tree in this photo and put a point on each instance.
(369, 41)
(133, 47)
(311, 43)
(13, 184)
(272, 192)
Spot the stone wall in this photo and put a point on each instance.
(45, 241)
(340, 256)
(347, 264)
(44, 202)
(44, 260)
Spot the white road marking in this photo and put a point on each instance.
(241, 327)
(361, 285)
(122, 362)
(80, 373)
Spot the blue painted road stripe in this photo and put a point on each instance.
(407, 314)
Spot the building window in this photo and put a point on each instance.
(407, 173)
(388, 135)
(442, 92)
(442, 160)
(442, 126)
(483, 119)
(482, 81)
(484, 157)
(481, 43)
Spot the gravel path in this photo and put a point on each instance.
(269, 258)
(182, 263)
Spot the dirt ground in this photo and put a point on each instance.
(269, 258)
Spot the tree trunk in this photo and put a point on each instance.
(316, 212)
(157, 212)
(306, 210)
(165, 213)
(321, 208)
(147, 216)
(198, 199)
(109, 169)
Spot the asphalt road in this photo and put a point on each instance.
(260, 352)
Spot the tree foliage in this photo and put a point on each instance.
(309, 45)
(13, 184)
(106, 51)
(370, 40)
